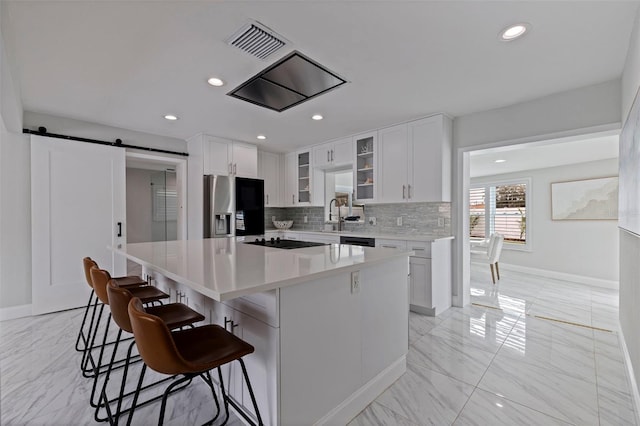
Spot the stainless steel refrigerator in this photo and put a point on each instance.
(233, 206)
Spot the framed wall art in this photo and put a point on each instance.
(589, 199)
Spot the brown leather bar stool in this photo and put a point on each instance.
(191, 352)
(174, 315)
(128, 281)
(100, 278)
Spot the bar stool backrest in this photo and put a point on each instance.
(119, 299)
(100, 278)
(154, 341)
(87, 262)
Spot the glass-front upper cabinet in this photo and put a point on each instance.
(365, 175)
(304, 177)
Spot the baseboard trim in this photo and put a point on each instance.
(581, 279)
(632, 377)
(14, 312)
(360, 399)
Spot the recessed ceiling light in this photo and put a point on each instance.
(261, 137)
(317, 117)
(171, 117)
(214, 81)
(513, 32)
(500, 161)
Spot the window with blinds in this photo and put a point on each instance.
(499, 208)
(165, 204)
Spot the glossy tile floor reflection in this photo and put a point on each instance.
(498, 362)
(41, 383)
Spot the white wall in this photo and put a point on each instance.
(587, 248)
(580, 111)
(15, 194)
(71, 127)
(10, 103)
(15, 202)
(565, 111)
(15, 220)
(630, 244)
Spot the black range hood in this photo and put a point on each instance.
(289, 82)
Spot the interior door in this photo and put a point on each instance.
(77, 210)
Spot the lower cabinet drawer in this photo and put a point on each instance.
(420, 248)
(261, 306)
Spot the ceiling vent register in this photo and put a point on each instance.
(290, 81)
(257, 40)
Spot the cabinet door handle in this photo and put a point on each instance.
(119, 229)
(293, 198)
(331, 155)
(227, 321)
(328, 157)
(387, 246)
(409, 191)
(267, 199)
(404, 189)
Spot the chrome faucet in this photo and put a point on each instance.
(336, 201)
(330, 215)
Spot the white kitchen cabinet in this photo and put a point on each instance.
(292, 235)
(269, 170)
(430, 147)
(262, 365)
(212, 155)
(430, 276)
(290, 179)
(416, 161)
(395, 244)
(216, 155)
(224, 157)
(394, 158)
(333, 154)
(304, 184)
(244, 160)
(365, 175)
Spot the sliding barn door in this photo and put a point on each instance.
(77, 210)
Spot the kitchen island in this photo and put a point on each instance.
(329, 323)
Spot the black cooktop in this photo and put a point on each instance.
(284, 244)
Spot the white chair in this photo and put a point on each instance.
(493, 254)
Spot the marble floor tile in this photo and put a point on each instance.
(419, 325)
(615, 408)
(451, 357)
(485, 408)
(376, 414)
(526, 370)
(477, 327)
(562, 396)
(426, 397)
(552, 345)
(612, 374)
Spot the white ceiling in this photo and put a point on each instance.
(542, 155)
(128, 63)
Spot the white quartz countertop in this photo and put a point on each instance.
(406, 237)
(223, 269)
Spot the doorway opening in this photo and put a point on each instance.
(494, 172)
(156, 200)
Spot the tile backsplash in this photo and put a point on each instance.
(417, 218)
